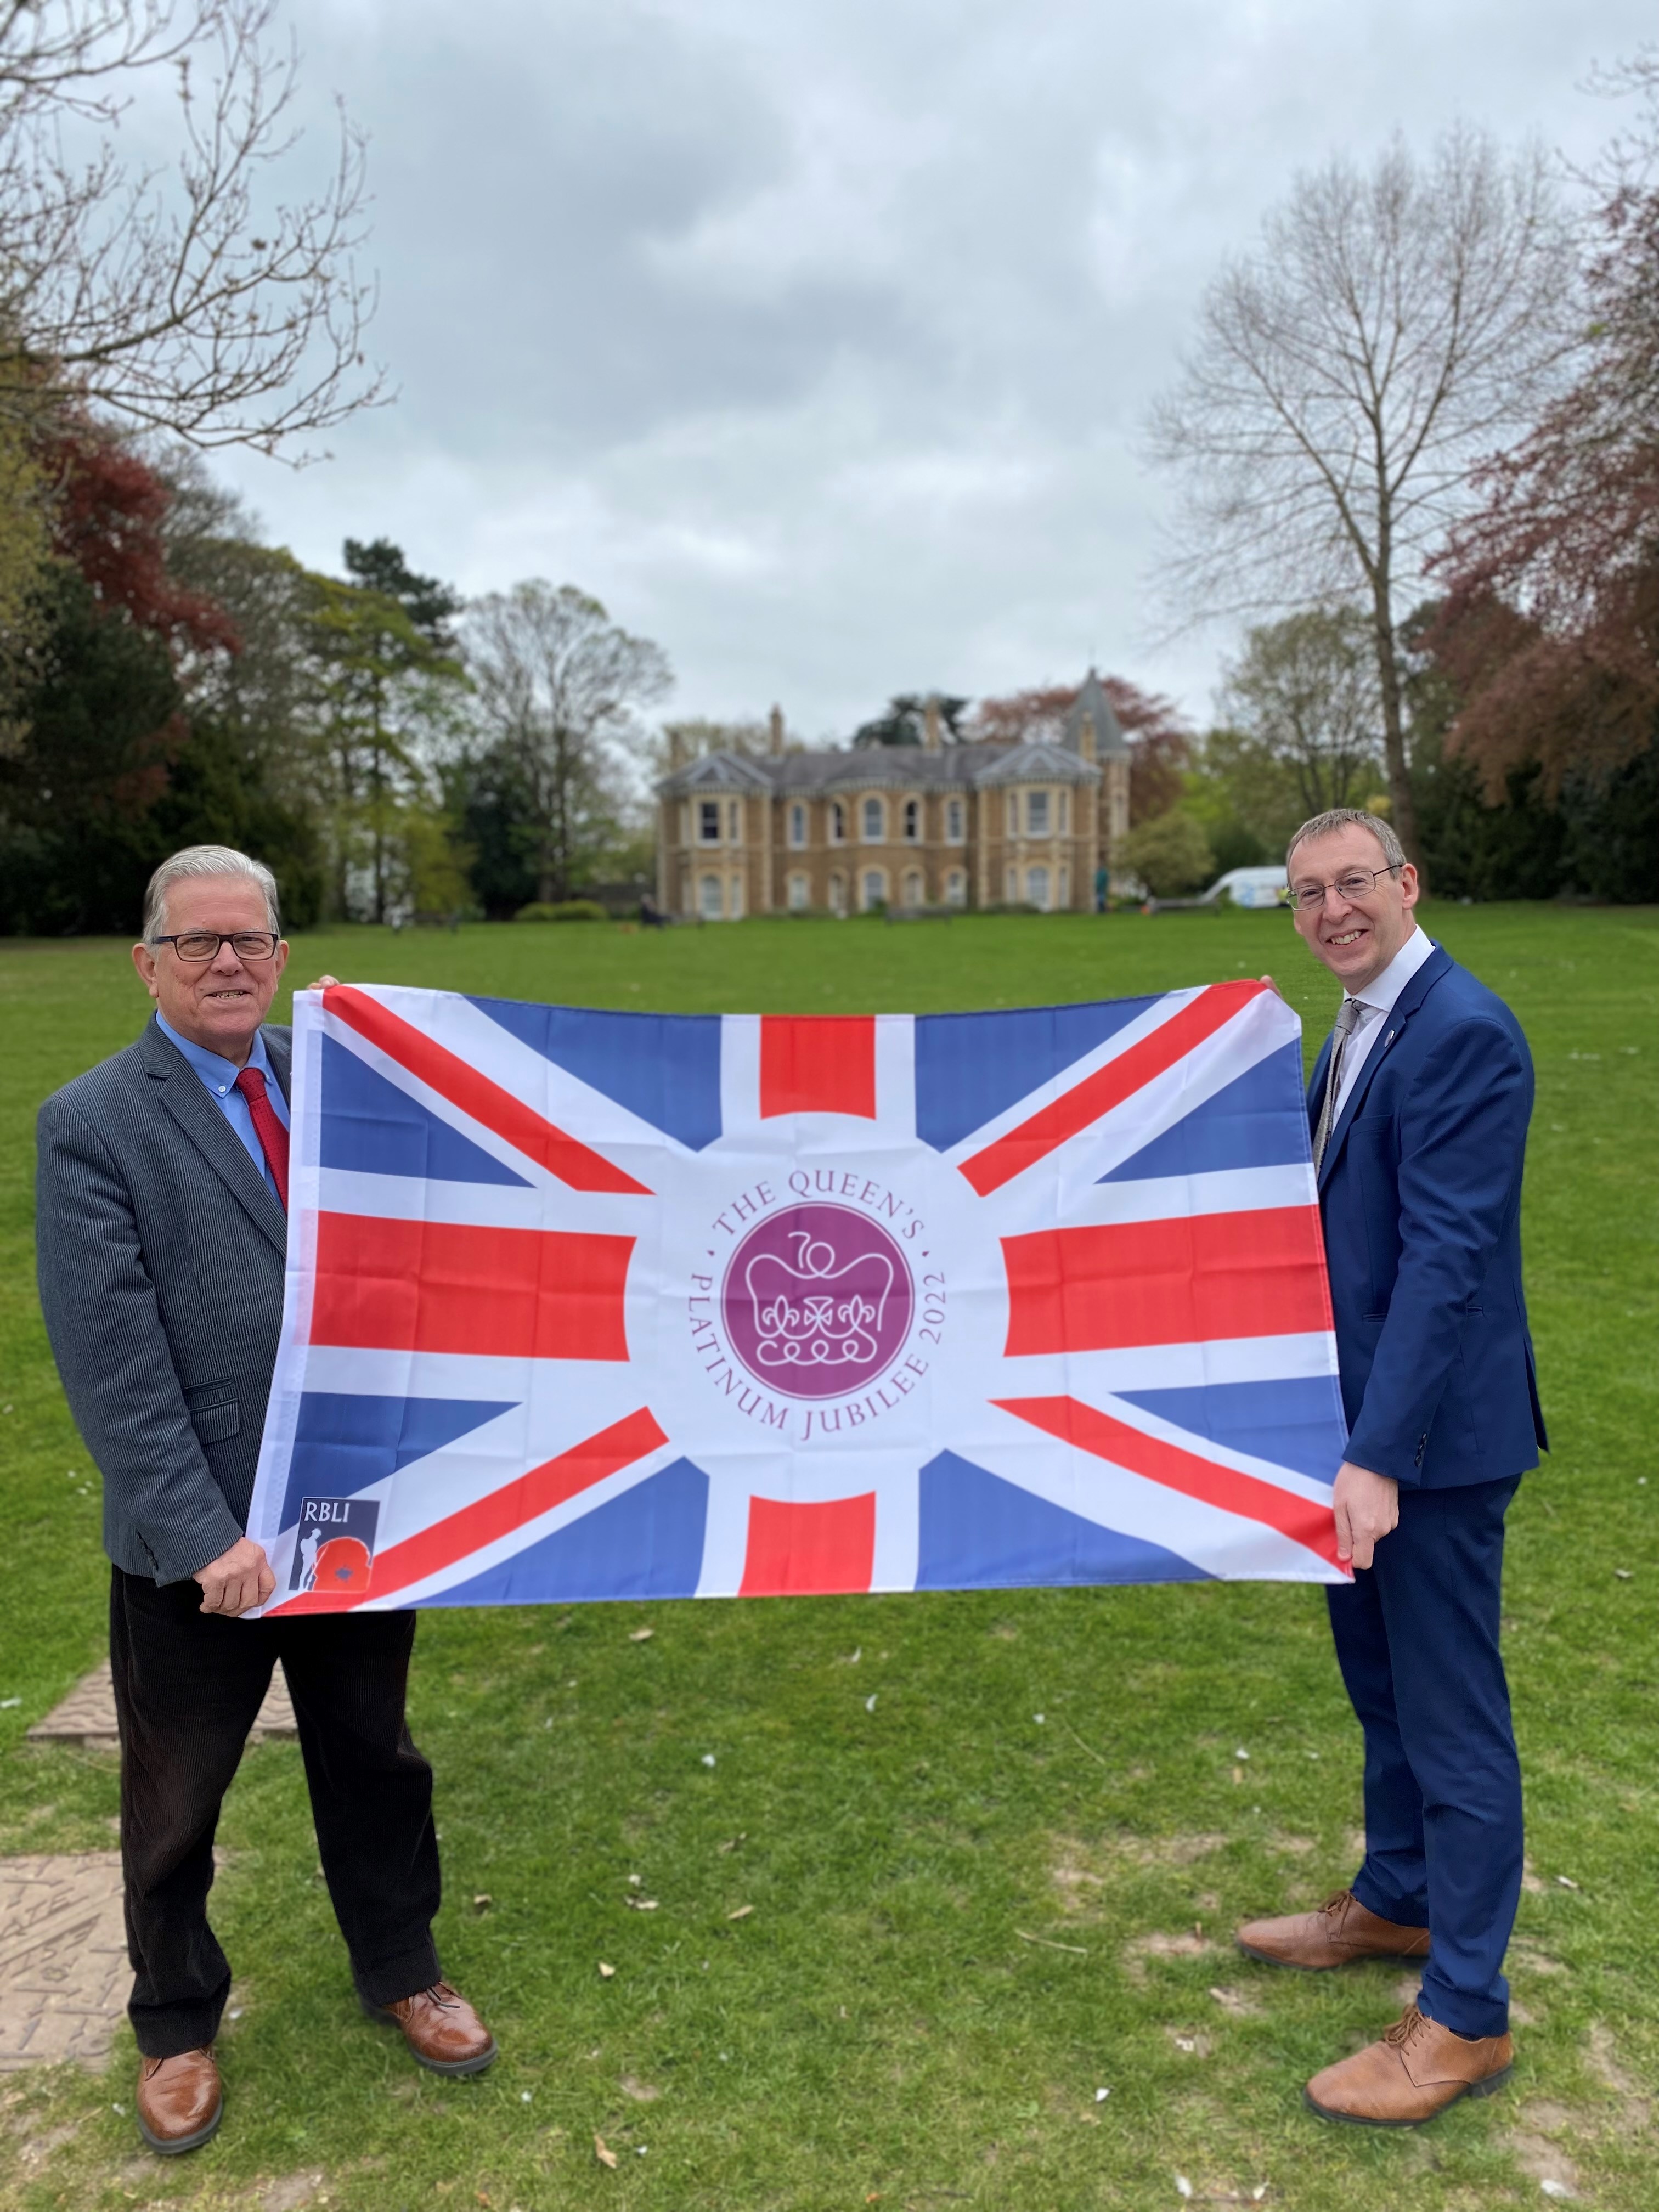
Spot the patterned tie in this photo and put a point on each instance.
(273, 1137)
(1347, 1020)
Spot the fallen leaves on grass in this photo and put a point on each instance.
(607, 1971)
(732, 1843)
(641, 1903)
(1139, 1948)
(642, 2093)
(742, 1913)
(1235, 2002)
(602, 2152)
(640, 1635)
(482, 1901)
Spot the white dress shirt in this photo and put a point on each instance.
(1376, 999)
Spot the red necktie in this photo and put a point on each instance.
(273, 1137)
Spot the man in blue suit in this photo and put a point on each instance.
(1419, 1103)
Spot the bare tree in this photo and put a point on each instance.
(557, 684)
(204, 300)
(1393, 329)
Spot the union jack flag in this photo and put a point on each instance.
(588, 1305)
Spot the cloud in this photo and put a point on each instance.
(815, 338)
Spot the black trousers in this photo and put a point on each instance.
(188, 1687)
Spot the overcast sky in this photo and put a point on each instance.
(814, 336)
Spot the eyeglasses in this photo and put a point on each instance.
(199, 944)
(1356, 884)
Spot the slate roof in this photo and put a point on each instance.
(1110, 744)
(902, 768)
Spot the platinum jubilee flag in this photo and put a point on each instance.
(587, 1306)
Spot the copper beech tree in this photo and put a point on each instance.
(1550, 624)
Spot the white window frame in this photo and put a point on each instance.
(715, 910)
(1038, 880)
(956, 821)
(1063, 891)
(911, 820)
(868, 899)
(837, 892)
(734, 901)
(837, 829)
(872, 803)
(708, 808)
(798, 824)
(1039, 814)
(956, 887)
(800, 893)
(916, 888)
(734, 821)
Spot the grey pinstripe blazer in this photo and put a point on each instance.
(160, 1257)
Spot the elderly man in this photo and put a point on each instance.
(1419, 1103)
(163, 1191)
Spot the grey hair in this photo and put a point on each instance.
(197, 861)
(1346, 818)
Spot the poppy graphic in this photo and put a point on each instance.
(343, 1565)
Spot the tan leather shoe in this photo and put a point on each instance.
(440, 2028)
(1342, 1930)
(180, 2101)
(1417, 2070)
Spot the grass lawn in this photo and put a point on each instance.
(1008, 1887)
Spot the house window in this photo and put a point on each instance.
(1037, 813)
(798, 825)
(710, 898)
(798, 894)
(734, 821)
(838, 893)
(1064, 804)
(1036, 888)
(1012, 810)
(915, 892)
(875, 821)
(913, 821)
(956, 888)
(873, 889)
(1010, 886)
(837, 822)
(708, 822)
(954, 822)
(734, 899)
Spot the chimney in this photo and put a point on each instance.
(676, 749)
(775, 726)
(1085, 737)
(931, 738)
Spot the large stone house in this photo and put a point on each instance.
(978, 824)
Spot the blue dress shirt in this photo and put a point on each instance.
(219, 1079)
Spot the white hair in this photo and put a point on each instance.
(197, 861)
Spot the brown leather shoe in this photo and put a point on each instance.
(1417, 2070)
(440, 2028)
(180, 2101)
(1342, 1932)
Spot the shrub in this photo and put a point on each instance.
(573, 910)
(1170, 854)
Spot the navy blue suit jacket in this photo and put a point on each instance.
(1420, 1193)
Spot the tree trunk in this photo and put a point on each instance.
(1402, 812)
